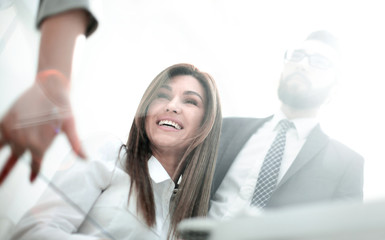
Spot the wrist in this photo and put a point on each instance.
(55, 85)
(53, 76)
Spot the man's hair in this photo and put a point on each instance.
(324, 37)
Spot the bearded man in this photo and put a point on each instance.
(286, 159)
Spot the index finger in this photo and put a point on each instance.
(70, 130)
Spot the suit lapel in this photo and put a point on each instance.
(235, 133)
(316, 141)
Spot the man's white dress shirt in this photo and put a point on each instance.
(236, 190)
(89, 201)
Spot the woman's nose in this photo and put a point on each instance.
(173, 106)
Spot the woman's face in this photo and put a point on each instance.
(175, 115)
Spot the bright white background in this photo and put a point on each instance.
(241, 43)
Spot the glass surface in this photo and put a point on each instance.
(240, 43)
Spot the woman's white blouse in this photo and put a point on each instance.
(89, 201)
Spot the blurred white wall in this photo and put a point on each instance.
(240, 43)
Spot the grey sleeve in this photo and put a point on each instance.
(51, 7)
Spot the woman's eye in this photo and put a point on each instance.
(163, 95)
(191, 101)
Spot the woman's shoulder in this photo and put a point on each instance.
(102, 155)
(103, 148)
(102, 152)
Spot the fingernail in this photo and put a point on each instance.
(3, 176)
(33, 177)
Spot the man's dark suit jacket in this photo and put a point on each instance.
(324, 169)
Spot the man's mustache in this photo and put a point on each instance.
(298, 76)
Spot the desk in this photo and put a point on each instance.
(337, 221)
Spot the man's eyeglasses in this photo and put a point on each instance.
(315, 60)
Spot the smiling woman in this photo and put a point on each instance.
(160, 177)
(174, 118)
(188, 151)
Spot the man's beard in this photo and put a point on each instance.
(301, 99)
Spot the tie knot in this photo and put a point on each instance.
(286, 125)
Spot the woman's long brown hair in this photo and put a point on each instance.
(197, 163)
